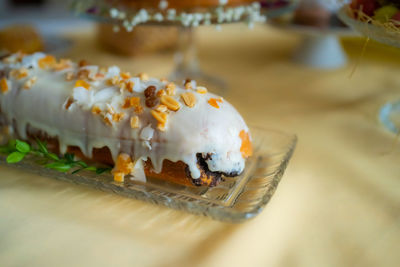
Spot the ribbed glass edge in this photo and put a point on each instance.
(173, 200)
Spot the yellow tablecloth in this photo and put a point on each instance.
(337, 205)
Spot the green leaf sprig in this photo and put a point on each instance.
(17, 150)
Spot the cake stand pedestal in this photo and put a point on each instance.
(320, 47)
(187, 65)
(322, 51)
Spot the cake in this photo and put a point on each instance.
(179, 4)
(20, 37)
(141, 126)
(141, 40)
(312, 13)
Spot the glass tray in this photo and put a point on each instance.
(235, 200)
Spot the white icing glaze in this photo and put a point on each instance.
(201, 129)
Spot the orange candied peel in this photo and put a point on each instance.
(214, 102)
(246, 148)
(123, 166)
(4, 85)
(82, 83)
(47, 61)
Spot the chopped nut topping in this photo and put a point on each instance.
(161, 108)
(20, 73)
(29, 83)
(134, 122)
(4, 85)
(143, 76)
(113, 81)
(82, 83)
(83, 74)
(117, 117)
(119, 177)
(68, 103)
(83, 63)
(122, 85)
(63, 64)
(99, 76)
(69, 76)
(161, 93)
(214, 102)
(170, 102)
(110, 109)
(125, 75)
(131, 102)
(123, 166)
(189, 99)
(170, 88)
(46, 62)
(202, 90)
(161, 127)
(129, 86)
(139, 109)
(107, 121)
(96, 110)
(159, 116)
(188, 84)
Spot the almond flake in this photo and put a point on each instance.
(202, 90)
(161, 108)
(170, 102)
(159, 116)
(189, 99)
(170, 88)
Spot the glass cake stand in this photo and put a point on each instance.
(389, 114)
(235, 199)
(186, 59)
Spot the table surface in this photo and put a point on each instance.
(338, 204)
